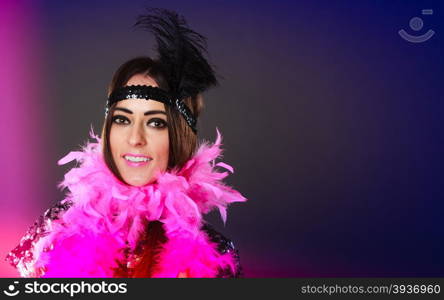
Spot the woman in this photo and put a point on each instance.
(135, 203)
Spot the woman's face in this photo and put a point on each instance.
(139, 137)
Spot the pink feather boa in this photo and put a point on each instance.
(88, 238)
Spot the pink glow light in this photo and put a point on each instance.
(23, 127)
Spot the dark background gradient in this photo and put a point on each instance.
(333, 123)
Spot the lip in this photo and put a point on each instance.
(136, 164)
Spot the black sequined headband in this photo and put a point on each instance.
(151, 93)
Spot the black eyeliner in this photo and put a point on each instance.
(160, 120)
(123, 118)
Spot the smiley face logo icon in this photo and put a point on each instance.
(11, 292)
(417, 24)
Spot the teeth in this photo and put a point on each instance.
(136, 159)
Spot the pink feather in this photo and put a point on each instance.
(89, 237)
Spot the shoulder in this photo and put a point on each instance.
(21, 256)
(224, 246)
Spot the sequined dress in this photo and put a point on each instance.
(21, 256)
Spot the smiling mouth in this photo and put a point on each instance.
(136, 159)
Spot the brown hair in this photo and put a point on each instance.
(182, 140)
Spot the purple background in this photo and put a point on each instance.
(333, 123)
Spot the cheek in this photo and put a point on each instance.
(115, 139)
(163, 151)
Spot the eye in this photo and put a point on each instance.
(120, 119)
(157, 123)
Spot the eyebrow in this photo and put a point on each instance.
(150, 112)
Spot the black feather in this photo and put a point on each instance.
(181, 52)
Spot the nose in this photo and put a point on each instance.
(137, 136)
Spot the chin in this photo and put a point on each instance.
(138, 182)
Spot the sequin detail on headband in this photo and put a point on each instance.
(151, 93)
